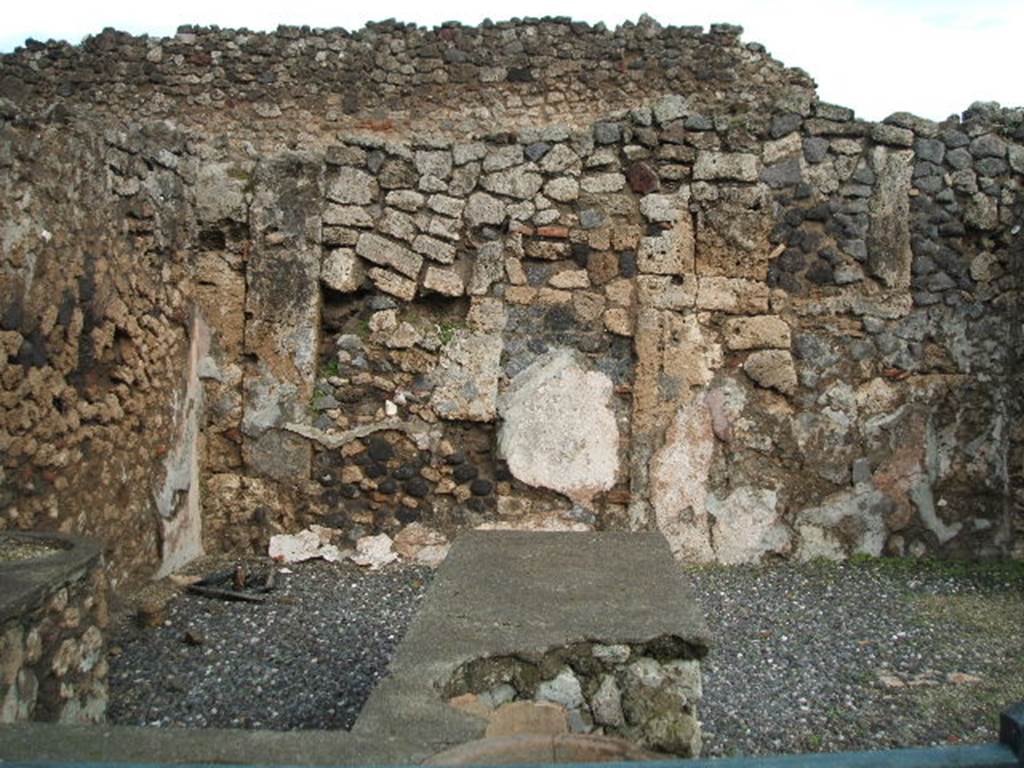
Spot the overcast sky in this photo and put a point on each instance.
(931, 57)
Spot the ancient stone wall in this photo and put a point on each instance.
(95, 321)
(398, 77)
(795, 344)
(734, 313)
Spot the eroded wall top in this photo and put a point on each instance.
(400, 77)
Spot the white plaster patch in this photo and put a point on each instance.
(177, 499)
(860, 515)
(559, 429)
(747, 526)
(678, 483)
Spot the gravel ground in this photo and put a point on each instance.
(815, 657)
(306, 659)
(862, 655)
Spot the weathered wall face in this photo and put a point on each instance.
(793, 345)
(95, 313)
(743, 318)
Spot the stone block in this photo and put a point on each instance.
(341, 271)
(725, 166)
(758, 332)
(889, 252)
(466, 377)
(772, 369)
(388, 253)
(733, 295)
(351, 186)
(447, 282)
(393, 284)
(671, 253)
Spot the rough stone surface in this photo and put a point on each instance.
(725, 166)
(773, 369)
(341, 271)
(467, 378)
(759, 332)
(53, 620)
(890, 225)
(205, 324)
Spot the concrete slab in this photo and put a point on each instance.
(25, 583)
(514, 593)
(499, 592)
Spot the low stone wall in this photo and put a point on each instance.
(52, 654)
(645, 693)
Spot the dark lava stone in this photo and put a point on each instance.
(784, 280)
(520, 75)
(375, 469)
(818, 212)
(537, 150)
(502, 473)
(464, 473)
(335, 520)
(33, 352)
(558, 319)
(404, 472)
(348, 490)
(459, 457)
(417, 487)
(406, 515)
(477, 505)
(580, 253)
(627, 264)
(362, 459)
(380, 449)
(387, 485)
(820, 272)
(791, 260)
(810, 242)
(642, 178)
(481, 487)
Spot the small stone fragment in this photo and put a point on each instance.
(772, 368)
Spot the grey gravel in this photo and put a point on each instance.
(861, 655)
(307, 659)
(807, 658)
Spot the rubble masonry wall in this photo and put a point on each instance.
(533, 275)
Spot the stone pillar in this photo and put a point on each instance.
(283, 313)
(889, 254)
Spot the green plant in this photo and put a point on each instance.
(329, 369)
(446, 332)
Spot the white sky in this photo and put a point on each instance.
(930, 57)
